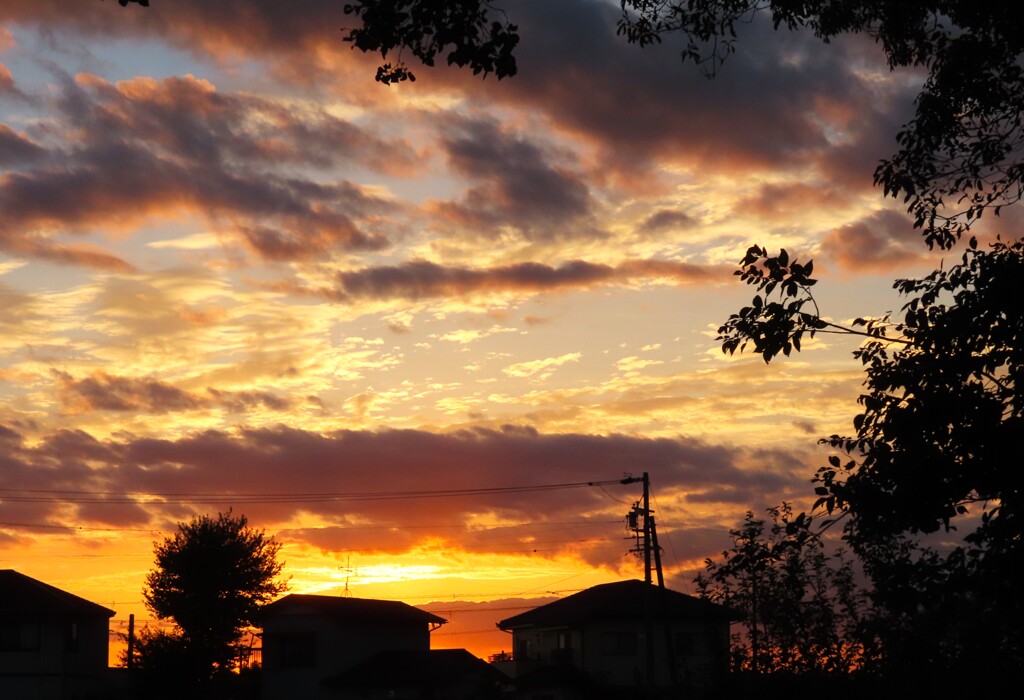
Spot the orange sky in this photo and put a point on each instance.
(238, 273)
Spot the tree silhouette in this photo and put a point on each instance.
(211, 578)
(467, 32)
(936, 448)
(801, 609)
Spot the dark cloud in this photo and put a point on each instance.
(106, 393)
(760, 111)
(765, 107)
(779, 200)
(143, 147)
(8, 88)
(80, 255)
(805, 426)
(350, 477)
(667, 220)
(516, 183)
(227, 26)
(103, 392)
(423, 279)
(16, 149)
(882, 241)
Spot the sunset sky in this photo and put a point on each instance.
(236, 272)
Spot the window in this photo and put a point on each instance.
(19, 636)
(71, 636)
(524, 649)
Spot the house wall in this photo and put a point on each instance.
(615, 652)
(547, 646)
(44, 660)
(299, 651)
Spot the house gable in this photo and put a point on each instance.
(618, 634)
(53, 644)
(310, 638)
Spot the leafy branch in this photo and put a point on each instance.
(784, 309)
(466, 32)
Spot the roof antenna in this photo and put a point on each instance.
(346, 593)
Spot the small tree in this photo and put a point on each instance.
(800, 607)
(211, 578)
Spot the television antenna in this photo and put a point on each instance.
(346, 593)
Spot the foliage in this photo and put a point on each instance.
(802, 611)
(942, 414)
(773, 324)
(211, 578)
(165, 668)
(938, 446)
(941, 410)
(467, 32)
(162, 665)
(935, 447)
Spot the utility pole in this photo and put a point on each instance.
(642, 532)
(646, 544)
(642, 535)
(130, 657)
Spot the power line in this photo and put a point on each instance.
(79, 527)
(533, 525)
(180, 498)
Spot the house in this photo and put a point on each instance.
(310, 639)
(619, 635)
(53, 645)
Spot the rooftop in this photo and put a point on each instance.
(362, 609)
(622, 600)
(24, 597)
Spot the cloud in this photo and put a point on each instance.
(148, 147)
(761, 111)
(16, 149)
(781, 99)
(515, 184)
(667, 220)
(7, 86)
(542, 368)
(777, 201)
(423, 280)
(103, 392)
(882, 241)
(359, 476)
(229, 26)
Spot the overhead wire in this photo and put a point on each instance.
(177, 498)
